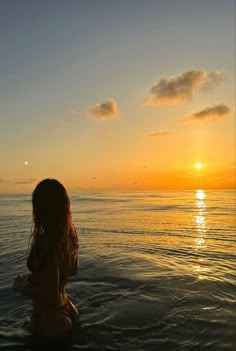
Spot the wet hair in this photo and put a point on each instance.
(53, 234)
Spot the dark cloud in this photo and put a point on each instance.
(181, 88)
(159, 133)
(105, 110)
(209, 113)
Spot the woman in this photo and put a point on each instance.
(52, 259)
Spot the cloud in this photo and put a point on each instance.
(214, 78)
(25, 181)
(18, 181)
(182, 88)
(57, 131)
(105, 110)
(75, 112)
(208, 113)
(160, 133)
(5, 181)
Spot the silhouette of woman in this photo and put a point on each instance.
(53, 257)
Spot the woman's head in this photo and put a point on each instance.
(51, 205)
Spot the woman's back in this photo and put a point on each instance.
(53, 312)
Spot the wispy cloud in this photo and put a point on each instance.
(105, 110)
(25, 181)
(5, 181)
(57, 131)
(75, 112)
(18, 181)
(182, 88)
(208, 113)
(160, 133)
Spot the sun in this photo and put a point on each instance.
(198, 165)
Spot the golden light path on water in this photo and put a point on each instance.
(201, 228)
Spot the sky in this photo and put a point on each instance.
(117, 95)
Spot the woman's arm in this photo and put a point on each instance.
(30, 291)
(23, 285)
(43, 287)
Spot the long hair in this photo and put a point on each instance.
(53, 232)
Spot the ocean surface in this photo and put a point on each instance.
(156, 271)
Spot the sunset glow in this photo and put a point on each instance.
(102, 98)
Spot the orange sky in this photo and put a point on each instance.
(131, 102)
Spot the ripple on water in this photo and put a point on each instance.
(152, 276)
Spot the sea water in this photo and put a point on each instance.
(156, 271)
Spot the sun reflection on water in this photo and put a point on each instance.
(201, 228)
(200, 194)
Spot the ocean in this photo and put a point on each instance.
(156, 271)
